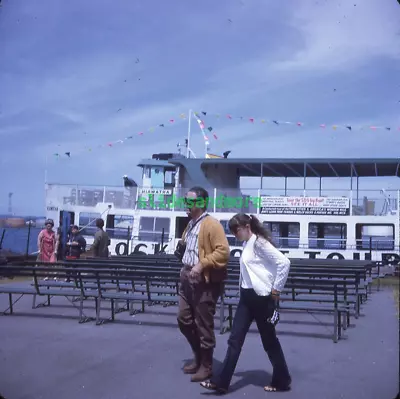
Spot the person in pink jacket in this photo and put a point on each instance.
(47, 244)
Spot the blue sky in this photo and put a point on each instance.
(79, 74)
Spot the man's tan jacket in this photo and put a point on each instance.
(214, 249)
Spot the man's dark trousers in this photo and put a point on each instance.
(197, 304)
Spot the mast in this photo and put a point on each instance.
(188, 149)
(45, 170)
(188, 135)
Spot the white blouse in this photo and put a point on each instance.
(263, 267)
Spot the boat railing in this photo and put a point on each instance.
(363, 202)
(365, 244)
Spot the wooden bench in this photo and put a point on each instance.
(37, 274)
(333, 298)
(159, 284)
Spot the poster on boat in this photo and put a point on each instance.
(339, 206)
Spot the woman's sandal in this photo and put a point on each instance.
(212, 387)
(271, 388)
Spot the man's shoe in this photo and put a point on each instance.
(193, 366)
(205, 370)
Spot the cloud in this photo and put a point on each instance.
(343, 35)
(71, 81)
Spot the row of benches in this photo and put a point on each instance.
(339, 290)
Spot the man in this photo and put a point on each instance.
(204, 269)
(101, 241)
(76, 243)
(74, 247)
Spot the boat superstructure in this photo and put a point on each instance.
(314, 207)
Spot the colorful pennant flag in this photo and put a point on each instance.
(298, 123)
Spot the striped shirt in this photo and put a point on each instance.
(191, 256)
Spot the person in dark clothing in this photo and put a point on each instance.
(101, 241)
(76, 243)
(60, 245)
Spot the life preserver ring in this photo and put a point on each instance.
(335, 255)
(235, 251)
(118, 249)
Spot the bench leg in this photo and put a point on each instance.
(230, 308)
(221, 318)
(344, 320)
(11, 303)
(133, 311)
(357, 310)
(81, 309)
(112, 310)
(339, 325)
(10, 309)
(98, 311)
(336, 325)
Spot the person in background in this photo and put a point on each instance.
(60, 247)
(47, 244)
(101, 241)
(76, 244)
(204, 270)
(263, 274)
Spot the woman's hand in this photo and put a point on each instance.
(275, 294)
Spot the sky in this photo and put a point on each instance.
(77, 75)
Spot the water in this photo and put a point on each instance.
(16, 239)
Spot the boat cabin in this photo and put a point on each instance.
(313, 207)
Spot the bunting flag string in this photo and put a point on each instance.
(171, 122)
(206, 131)
(276, 122)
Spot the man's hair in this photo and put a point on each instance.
(201, 193)
(74, 227)
(99, 223)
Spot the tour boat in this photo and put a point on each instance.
(311, 221)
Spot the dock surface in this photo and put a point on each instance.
(46, 354)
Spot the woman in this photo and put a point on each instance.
(263, 274)
(47, 244)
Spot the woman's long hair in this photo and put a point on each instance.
(242, 219)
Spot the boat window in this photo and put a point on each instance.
(375, 236)
(119, 226)
(151, 229)
(147, 172)
(284, 234)
(169, 177)
(327, 235)
(87, 223)
(180, 225)
(89, 197)
(231, 238)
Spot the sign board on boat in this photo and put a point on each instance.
(339, 206)
(156, 191)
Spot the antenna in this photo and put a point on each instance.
(188, 135)
(10, 203)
